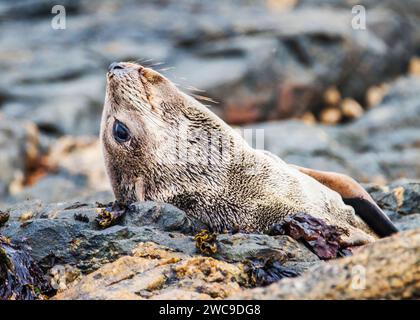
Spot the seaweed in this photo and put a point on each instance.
(20, 276)
(81, 217)
(4, 217)
(205, 241)
(111, 214)
(76, 205)
(265, 271)
(321, 238)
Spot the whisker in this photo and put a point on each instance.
(156, 64)
(166, 69)
(204, 98)
(141, 60)
(191, 88)
(180, 78)
(146, 62)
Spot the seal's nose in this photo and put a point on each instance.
(115, 66)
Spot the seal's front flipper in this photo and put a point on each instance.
(373, 216)
(356, 196)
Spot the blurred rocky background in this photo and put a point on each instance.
(352, 93)
(328, 97)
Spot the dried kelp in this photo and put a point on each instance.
(20, 277)
(4, 217)
(265, 271)
(321, 238)
(205, 241)
(111, 214)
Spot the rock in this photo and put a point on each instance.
(403, 88)
(64, 240)
(54, 188)
(72, 168)
(351, 109)
(19, 153)
(62, 107)
(156, 272)
(57, 235)
(305, 52)
(64, 276)
(386, 269)
(81, 156)
(409, 9)
(241, 247)
(414, 67)
(20, 277)
(408, 222)
(381, 146)
(67, 234)
(332, 97)
(400, 201)
(164, 216)
(375, 95)
(330, 116)
(401, 196)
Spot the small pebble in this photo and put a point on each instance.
(351, 108)
(330, 115)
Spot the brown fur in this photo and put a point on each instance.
(182, 153)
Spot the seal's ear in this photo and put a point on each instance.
(356, 196)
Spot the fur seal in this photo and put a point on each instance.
(161, 144)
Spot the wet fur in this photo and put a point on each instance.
(223, 182)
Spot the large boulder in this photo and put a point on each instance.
(386, 269)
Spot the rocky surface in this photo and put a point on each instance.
(386, 269)
(152, 254)
(400, 200)
(355, 93)
(66, 233)
(19, 153)
(63, 169)
(157, 272)
(20, 276)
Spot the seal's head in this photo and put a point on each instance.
(146, 121)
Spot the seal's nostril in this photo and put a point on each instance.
(114, 66)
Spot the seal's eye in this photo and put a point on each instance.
(120, 132)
